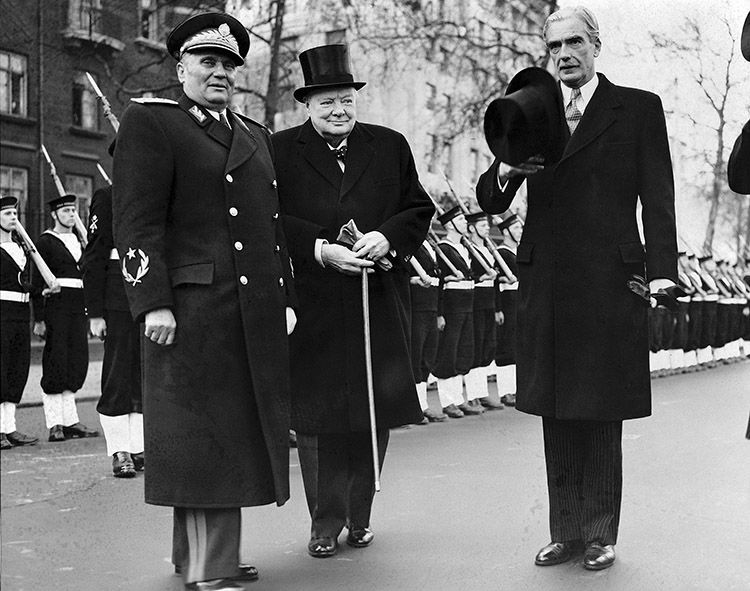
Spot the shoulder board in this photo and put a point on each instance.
(245, 119)
(154, 101)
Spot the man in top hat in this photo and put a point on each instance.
(738, 169)
(120, 406)
(333, 169)
(15, 343)
(582, 333)
(61, 320)
(202, 250)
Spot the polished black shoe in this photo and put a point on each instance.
(139, 461)
(469, 409)
(56, 433)
(490, 404)
(4, 443)
(508, 399)
(122, 465)
(360, 537)
(598, 556)
(246, 572)
(322, 547)
(453, 412)
(555, 553)
(18, 438)
(434, 417)
(217, 585)
(79, 430)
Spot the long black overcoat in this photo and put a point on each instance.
(380, 190)
(197, 226)
(582, 335)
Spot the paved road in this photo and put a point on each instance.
(463, 507)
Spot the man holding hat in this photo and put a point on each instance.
(203, 254)
(738, 169)
(15, 343)
(333, 169)
(582, 332)
(61, 320)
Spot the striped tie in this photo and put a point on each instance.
(572, 114)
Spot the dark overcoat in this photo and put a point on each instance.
(197, 226)
(582, 334)
(380, 191)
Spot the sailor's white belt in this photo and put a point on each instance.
(14, 296)
(509, 286)
(114, 255)
(684, 300)
(485, 283)
(434, 281)
(711, 297)
(459, 285)
(70, 282)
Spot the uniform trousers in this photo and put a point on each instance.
(15, 359)
(206, 543)
(338, 476)
(584, 479)
(424, 340)
(121, 366)
(65, 359)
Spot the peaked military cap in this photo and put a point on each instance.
(210, 30)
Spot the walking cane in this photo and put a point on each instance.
(370, 387)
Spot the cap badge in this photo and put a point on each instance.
(224, 30)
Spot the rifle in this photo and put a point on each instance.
(433, 240)
(80, 228)
(106, 107)
(44, 270)
(104, 174)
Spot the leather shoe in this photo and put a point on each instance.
(139, 461)
(598, 556)
(434, 417)
(79, 430)
(490, 404)
(322, 547)
(554, 553)
(18, 438)
(468, 409)
(246, 573)
(217, 585)
(122, 465)
(453, 412)
(360, 537)
(56, 433)
(508, 399)
(4, 443)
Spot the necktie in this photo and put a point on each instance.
(572, 114)
(224, 120)
(340, 153)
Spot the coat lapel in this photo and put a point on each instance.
(316, 152)
(599, 115)
(244, 143)
(358, 156)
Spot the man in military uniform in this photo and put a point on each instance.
(120, 408)
(61, 320)
(203, 254)
(15, 342)
(333, 169)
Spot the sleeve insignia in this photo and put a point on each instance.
(93, 227)
(197, 113)
(143, 262)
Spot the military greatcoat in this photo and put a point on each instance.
(379, 190)
(197, 227)
(582, 334)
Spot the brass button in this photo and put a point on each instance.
(281, 281)
(278, 248)
(233, 211)
(243, 280)
(276, 215)
(238, 245)
(273, 184)
(229, 178)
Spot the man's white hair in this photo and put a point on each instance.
(581, 13)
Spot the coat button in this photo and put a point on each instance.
(238, 245)
(281, 281)
(229, 178)
(233, 211)
(276, 215)
(243, 280)
(278, 248)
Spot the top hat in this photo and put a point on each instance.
(477, 216)
(745, 39)
(57, 202)
(8, 202)
(449, 215)
(528, 120)
(326, 66)
(210, 30)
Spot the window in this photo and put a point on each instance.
(432, 155)
(337, 36)
(85, 109)
(85, 15)
(15, 181)
(474, 164)
(13, 83)
(82, 187)
(446, 160)
(151, 23)
(431, 95)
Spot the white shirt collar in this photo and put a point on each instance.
(217, 114)
(342, 144)
(587, 91)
